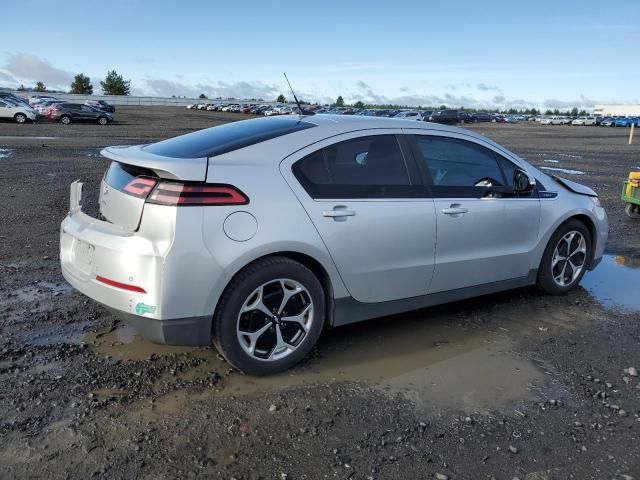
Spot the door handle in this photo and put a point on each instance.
(455, 209)
(338, 212)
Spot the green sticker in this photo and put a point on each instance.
(142, 308)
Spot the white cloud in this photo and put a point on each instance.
(28, 68)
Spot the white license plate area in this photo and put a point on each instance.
(83, 255)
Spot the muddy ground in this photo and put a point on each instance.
(514, 385)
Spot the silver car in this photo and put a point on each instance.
(255, 235)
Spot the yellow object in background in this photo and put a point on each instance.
(632, 182)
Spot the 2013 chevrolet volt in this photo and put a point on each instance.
(254, 235)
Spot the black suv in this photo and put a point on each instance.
(446, 117)
(76, 112)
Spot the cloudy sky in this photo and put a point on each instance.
(468, 52)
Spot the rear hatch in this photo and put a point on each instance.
(132, 175)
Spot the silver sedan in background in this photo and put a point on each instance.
(255, 235)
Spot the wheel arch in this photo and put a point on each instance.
(308, 261)
(591, 226)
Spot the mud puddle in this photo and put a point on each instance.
(426, 357)
(613, 283)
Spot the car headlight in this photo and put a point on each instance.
(596, 201)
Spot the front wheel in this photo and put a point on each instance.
(565, 259)
(20, 118)
(269, 316)
(102, 120)
(65, 119)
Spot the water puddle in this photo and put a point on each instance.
(551, 161)
(22, 137)
(569, 155)
(5, 152)
(564, 170)
(613, 283)
(41, 291)
(426, 356)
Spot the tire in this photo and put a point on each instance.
(65, 119)
(20, 118)
(102, 120)
(632, 211)
(261, 344)
(556, 275)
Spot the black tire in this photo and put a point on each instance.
(546, 280)
(102, 120)
(239, 290)
(632, 211)
(65, 119)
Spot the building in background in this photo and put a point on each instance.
(617, 110)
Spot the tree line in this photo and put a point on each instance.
(113, 84)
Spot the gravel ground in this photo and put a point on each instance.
(514, 385)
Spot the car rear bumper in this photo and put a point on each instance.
(147, 282)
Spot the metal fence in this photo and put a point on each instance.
(132, 100)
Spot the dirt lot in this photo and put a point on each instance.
(514, 385)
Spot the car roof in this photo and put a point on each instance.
(327, 126)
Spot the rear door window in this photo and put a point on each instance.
(364, 167)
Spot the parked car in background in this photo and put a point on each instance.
(445, 117)
(608, 122)
(102, 105)
(553, 120)
(255, 235)
(14, 98)
(67, 113)
(466, 117)
(17, 112)
(584, 121)
(626, 122)
(410, 115)
(43, 107)
(483, 117)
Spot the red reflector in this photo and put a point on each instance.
(123, 286)
(139, 187)
(179, 194)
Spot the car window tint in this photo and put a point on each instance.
(458, 163)
(364, 167)
(2, 104)
(509, 170)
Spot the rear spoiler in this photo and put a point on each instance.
(186, 169)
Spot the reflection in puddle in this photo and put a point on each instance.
(427, 357)
(613, 283)
(564, 170)
(549, 160)
(5, 152)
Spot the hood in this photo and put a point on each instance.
(187, 169)
(575, 187)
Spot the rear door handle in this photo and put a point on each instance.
(338, 212)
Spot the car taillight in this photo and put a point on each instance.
(140, 187)
(181, 194)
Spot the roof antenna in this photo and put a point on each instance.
(300, 111)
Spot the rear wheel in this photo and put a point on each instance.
(65, 119)
(20, 118)
(565, 259)
(102, 120)
(270, 316)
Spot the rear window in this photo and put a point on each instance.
(226, 138)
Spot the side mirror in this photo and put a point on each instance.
(522, 182)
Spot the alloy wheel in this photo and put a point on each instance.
(275, 319)
(569, 258)
(20, 118)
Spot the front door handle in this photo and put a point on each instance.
(338, 212)
(455, 209)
